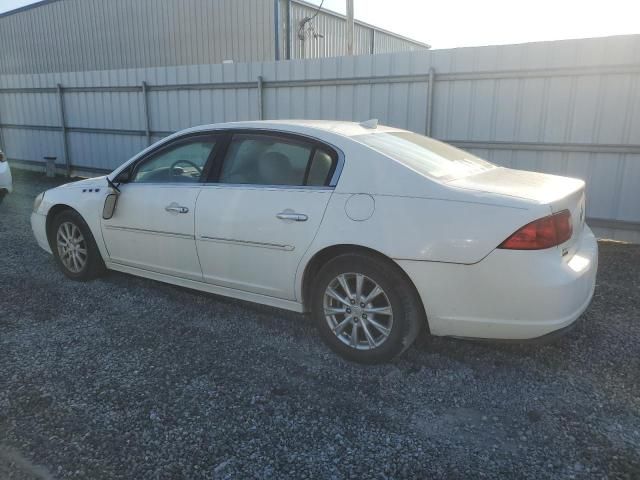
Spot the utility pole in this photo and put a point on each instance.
(350, 27)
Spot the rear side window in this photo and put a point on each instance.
(320, 168)
(274, 160)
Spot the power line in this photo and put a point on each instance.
(307, 20)
(317, 10)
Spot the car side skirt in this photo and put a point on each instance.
(207, 287)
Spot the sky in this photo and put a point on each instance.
(461, 23)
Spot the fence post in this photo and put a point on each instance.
(147, 120)
(288, 30)
(373, 41)
(63, 126)
(50, 166)
(432, 75)
(260, 89)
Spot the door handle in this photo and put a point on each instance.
(175, 208)
(296, 217)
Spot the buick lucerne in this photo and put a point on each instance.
(379, 233)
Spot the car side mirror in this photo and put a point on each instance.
(110, 203)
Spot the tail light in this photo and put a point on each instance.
(545, 232)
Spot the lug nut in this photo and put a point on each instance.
(348, 310)
(364, 315)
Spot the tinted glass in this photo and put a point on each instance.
(183, 163)
(424, 154)
(320, 169)
(265, 160)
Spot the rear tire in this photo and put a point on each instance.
(361, 292)
(74, 247)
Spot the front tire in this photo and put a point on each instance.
(365, 309)
(74, 247)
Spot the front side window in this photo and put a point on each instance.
(425, 155)
(182, 163)
(267, 160)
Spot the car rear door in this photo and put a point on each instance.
(153, 224)
(255, 222)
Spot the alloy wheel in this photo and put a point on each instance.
(358, 311)
(72, 247)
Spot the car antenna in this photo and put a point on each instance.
(113, 185)
(371, 123)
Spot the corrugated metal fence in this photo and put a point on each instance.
(570, 107)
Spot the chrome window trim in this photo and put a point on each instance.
(231, 185)
(195, 185)
(269, 187)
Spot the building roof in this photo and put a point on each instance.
(26, 7)
(364, 24)
(88, 35)
(301, 2)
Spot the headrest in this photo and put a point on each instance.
(275, 168)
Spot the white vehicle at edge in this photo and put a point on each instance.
(6, 182)
(380, 233)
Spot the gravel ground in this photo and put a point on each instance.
(129, 378)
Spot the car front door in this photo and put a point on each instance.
(153, 224)
(255, 222)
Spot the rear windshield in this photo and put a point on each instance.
(425, 155)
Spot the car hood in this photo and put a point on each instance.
(87, 183)
(540, 188)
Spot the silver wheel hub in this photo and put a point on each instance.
(358, 311)
(72, 247)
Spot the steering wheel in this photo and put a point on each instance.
(172, 169)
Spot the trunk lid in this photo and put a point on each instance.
(559, 193)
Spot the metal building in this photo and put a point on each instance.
(82, 35)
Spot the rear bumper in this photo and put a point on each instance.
(39, 227)
(509, 294)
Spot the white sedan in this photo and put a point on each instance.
(6, 182)
(379, 232)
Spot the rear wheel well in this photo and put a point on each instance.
(326, 254)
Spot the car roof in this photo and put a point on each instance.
(311, 128)
(346, 129)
